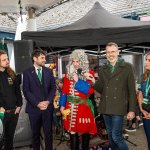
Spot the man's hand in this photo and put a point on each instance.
(89, 77)
(2, 109)
(43, 105)
(40, 105)
(130, 115)
(46, 102)
(17, 111)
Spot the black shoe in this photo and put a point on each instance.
(130, 129)
(140, 123)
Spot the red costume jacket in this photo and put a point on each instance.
(81, 118)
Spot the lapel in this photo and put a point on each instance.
(43, 76)
(107, 71)
(116, 72)
(34, 76)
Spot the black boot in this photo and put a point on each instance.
(85, 141)
(74, 141)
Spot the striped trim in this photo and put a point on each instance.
(145, 100)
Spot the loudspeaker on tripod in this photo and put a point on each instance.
(22, 54)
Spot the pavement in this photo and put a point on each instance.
(138, 137)
(135, 138)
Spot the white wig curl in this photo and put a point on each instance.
(79, 55)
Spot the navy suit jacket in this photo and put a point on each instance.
(32, 87)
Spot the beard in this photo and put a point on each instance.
(5, 66)
(41, 64)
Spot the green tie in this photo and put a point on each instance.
(39, 74)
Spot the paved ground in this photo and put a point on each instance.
(137, 138)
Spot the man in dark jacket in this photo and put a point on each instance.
(116, 84)
(10, 100)
(39, 90)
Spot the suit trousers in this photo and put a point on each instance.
(41, 119)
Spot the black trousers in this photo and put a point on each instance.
(38, 120)
(75, 141)
(10, 123)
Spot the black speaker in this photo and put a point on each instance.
(22, 53)
(50, 59)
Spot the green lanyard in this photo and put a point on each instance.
(147, 86)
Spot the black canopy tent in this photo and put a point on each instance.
(97, 27)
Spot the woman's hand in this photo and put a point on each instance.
(145, 113)
(147, 116)
(75, 77)
(62, 108)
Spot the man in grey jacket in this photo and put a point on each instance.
(116, 84)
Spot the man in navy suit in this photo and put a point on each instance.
(39, 89)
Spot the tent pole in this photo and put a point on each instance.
(59, 66)
(98, 57)
(143, 57)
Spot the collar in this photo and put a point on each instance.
(120, 62)
(37, 68)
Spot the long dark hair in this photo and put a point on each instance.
(146, 72)
(9, 70)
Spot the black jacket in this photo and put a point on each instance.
(10, 93)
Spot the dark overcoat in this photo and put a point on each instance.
(117, 89)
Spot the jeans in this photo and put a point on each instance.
(146, 124)
(114, 126)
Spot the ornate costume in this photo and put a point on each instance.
(75, 97)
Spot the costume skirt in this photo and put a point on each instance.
(80, 120)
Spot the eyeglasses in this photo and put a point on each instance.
(110, 52)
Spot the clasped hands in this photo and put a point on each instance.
(43, 105)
